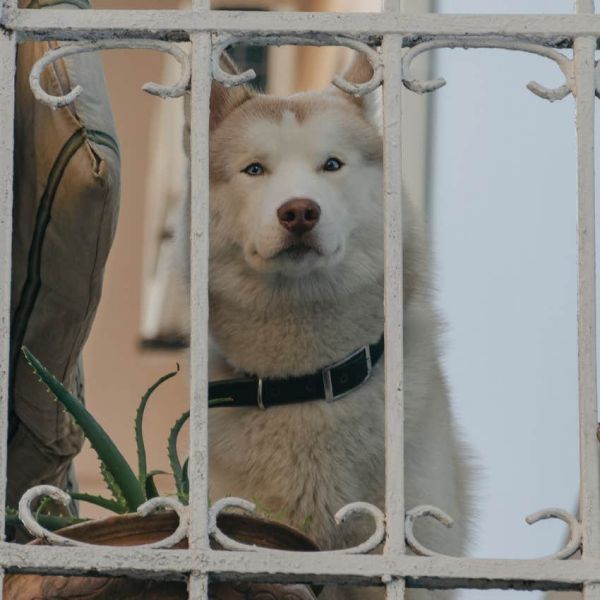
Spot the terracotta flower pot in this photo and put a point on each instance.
(131, 530)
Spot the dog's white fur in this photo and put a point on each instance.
(273, 315)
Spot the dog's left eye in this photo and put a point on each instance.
(332, 164)
(254, 169)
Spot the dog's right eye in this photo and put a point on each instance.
(254, 169)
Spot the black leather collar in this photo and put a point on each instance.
(330, 383)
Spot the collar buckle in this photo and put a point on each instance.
(330, 396)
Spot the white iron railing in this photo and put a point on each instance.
(389, 33)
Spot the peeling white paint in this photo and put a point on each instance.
(178, 24)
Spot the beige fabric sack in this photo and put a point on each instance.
(66, 204)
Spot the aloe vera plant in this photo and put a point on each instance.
(128, 490)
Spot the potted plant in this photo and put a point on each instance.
(128, 492)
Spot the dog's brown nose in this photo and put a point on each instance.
(299, 215)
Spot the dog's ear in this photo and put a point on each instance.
(223, 99)
(361, 71)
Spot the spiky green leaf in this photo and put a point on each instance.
(106, 503)
(174, 457)
(185, 478)
(111, 484)
(139, 421)
(108, 453)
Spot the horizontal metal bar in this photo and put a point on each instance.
(323, 568)
(109, 560)
(556, 30)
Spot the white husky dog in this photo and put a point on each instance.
(296, 284)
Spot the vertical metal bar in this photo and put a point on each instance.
(395, 589)
(198, 586)
(394, 326)
(200, 114)
(200, 110)
(393, 299)
(584, 53)
(7, 6)
(584, 50)
(8, 49)
(7, 87)
(591, 591)
(585, 7)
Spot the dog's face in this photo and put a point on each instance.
(296, 183)
(293, 180)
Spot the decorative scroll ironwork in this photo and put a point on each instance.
(575, 532)
(164, 91)
(39, 492)
(48, 491)
(573, 543)
(355, 508)
(552, 94)
(222, 42)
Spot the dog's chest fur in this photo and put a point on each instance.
(304, 462)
